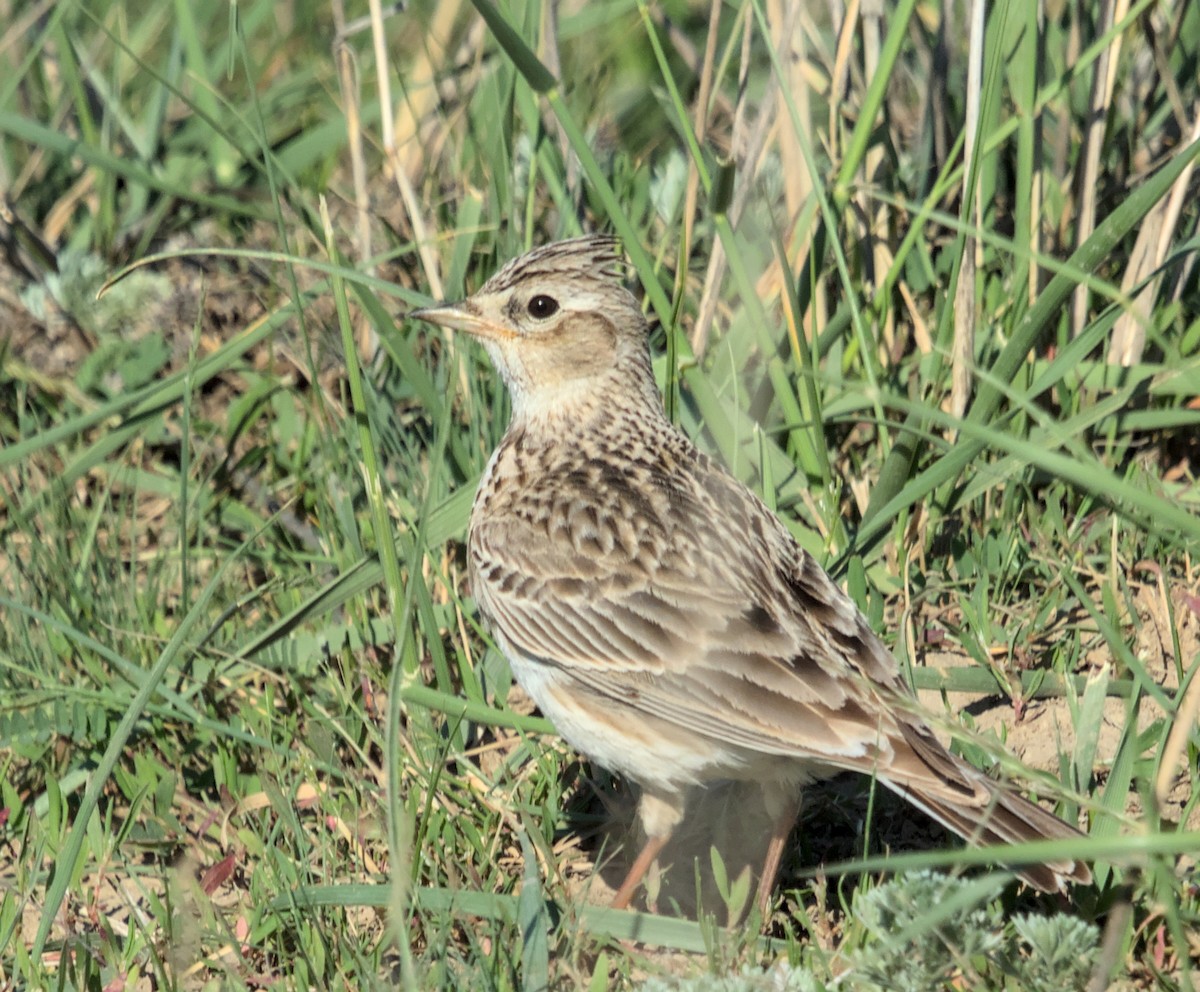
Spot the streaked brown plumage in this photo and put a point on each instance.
(659, 614)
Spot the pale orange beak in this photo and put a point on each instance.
(455, 317)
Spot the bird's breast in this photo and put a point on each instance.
(576, 501)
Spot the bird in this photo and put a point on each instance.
(662, 618)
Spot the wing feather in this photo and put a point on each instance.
(719, 647)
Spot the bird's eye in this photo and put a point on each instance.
(541, 307)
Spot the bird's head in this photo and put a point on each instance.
(559, 325)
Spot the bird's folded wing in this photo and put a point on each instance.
(716, 651)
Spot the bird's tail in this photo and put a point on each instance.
(1010, 819)
(983, 811)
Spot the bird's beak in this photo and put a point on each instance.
(457, 317)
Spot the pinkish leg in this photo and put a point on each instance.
(780, 829)
(637, 871)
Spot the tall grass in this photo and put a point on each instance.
(930, 291)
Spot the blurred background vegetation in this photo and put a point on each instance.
(923, 274)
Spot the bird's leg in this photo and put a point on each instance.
(637, 871)
(781, 827)
(659, 813)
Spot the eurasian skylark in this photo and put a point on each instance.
(660, 615)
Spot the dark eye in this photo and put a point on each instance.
(541, 307)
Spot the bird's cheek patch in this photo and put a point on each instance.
(580, 346)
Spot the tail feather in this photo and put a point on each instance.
(980, 810)
(1006, 818)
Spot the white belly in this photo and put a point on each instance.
(658, 755)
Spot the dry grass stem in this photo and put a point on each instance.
(877, 254)
(1149, 252)
(700, 126)
(965, 307)
(1103, 79)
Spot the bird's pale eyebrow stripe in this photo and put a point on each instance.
(596, 254)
